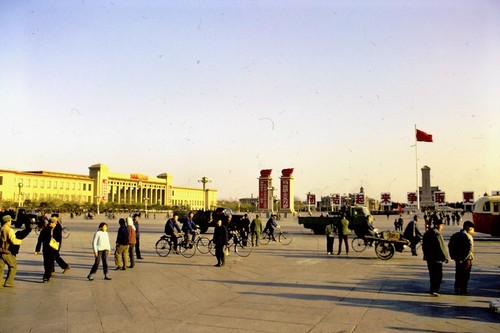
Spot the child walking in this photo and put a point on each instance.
(101, 247)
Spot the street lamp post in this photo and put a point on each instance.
(146, 206)
(20, 185)
(271, 198)
(98, 201)
(204, 180)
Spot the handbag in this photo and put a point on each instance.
(53, 243)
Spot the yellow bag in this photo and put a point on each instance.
(54, 244)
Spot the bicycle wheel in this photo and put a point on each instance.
(211, 248)
(384, 250)
(187, 249)
(284, 238)
(358, 244)
(65, 232)
(202, 244)
(265, 239)
(243, 250)
(163, 246)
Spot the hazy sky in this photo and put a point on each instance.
(224, 89)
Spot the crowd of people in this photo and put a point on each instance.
(127, 245)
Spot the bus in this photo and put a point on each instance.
(486, 215)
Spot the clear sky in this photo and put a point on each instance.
(224, 89)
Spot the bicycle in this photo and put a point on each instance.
(242, 246)
(165, 245)
(201, 242)
(65, 231)
(283, 237)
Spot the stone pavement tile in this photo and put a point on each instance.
(250, 324)
(83, 321)
(268, 311)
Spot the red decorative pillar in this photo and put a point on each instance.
(287, 191)
(265, 190)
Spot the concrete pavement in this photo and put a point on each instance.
(294, 288)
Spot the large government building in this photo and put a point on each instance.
(100, 187)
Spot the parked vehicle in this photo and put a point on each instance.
(486, 215)
(206, 219)
(355, 214)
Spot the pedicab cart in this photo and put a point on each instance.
(387, 243)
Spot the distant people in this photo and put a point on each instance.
(172, 229)
(132, 239)
(461, 246)
(101, 248)
(58, 229)
(343, 230)
(330, 237)
(270, 226)
(137, 237)
(435, 254)
(399, 223)
(8, 238)
(368, 230)
(122, 246)
(220, 239)
(256, 230)
(244, 227)
(49, 252)
(189, 228)
(413, 235)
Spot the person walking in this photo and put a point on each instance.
(435, 254)
(58, 230)
(330, 237)
(256, 230)
(8, 238)
(220, 240)
(343, 230)
(137, 237)
(121, 248)
(132, 238)
(49, 252)
(413, 235)
(101, 248)
(461, 246)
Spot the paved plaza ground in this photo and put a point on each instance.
(294, 288)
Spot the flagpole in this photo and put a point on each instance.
(416, 169)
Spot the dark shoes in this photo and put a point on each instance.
(90, 277)
(131, 266)
(217, 265)
(140, 258)
(434, 294)
(107, 278)
(66, 269)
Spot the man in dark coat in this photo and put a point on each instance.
(435, 254)
(412, 234)
(220, 240)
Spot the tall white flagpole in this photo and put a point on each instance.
(416, 170)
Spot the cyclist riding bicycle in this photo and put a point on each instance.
(270, 225)
(189, 228)
(172, 229)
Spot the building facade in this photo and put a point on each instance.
(100, 187)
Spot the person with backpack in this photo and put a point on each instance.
(461, 247)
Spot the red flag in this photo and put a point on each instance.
(424, 137)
